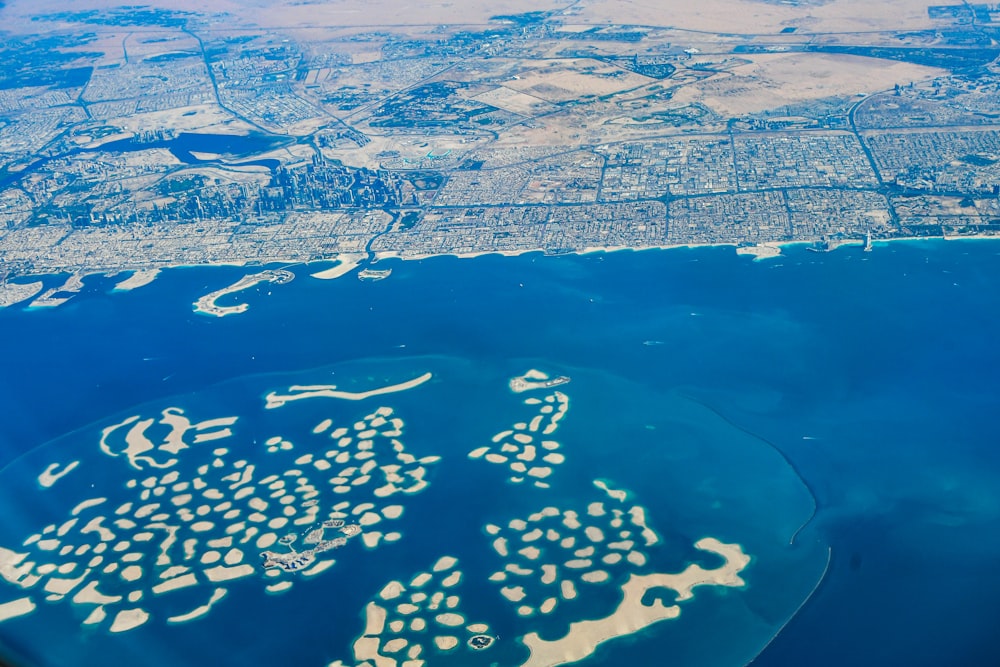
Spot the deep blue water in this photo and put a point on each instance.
(872, 374)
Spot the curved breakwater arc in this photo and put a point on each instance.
(406, 511)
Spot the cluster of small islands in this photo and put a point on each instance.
(215, 509)
(198, 507)
(514, 446)
(295, 140)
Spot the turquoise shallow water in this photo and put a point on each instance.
(858, 385)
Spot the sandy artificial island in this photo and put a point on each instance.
(631, 615)
(207, 304)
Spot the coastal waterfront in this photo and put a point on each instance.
(478, 335)
(805, 370)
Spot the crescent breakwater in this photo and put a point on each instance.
(208, 306)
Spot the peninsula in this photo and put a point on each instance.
(208, 306)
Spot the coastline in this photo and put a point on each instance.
(738, 248)
(349, 261)
(345, 263)
(207, 305)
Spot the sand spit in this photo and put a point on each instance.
(207, 305)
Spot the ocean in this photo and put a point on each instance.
(829, 415)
